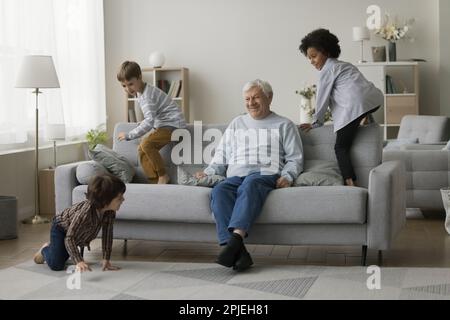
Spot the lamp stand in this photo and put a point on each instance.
(37, 219)
(362, 53)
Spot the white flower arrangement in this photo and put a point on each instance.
(308, 93)
(392, 31)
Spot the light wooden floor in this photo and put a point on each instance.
(422, 243)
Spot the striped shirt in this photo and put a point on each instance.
(82, 224)
(159, 111)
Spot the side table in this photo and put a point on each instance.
(47, 191)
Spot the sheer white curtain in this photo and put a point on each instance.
(72, 32)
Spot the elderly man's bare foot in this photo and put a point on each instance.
(38, 257)
(164, 179)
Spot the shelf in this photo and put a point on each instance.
(400, 94)
(389, 64)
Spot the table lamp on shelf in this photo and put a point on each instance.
(359, 35)
(55, 132)
(37, 72)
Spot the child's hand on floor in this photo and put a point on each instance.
(122, 136)
(107, 266)
(82, 267)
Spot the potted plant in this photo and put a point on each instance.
(96, 136)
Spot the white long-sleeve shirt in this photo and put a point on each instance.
(269, 146)
(159, 111)
(344, 89)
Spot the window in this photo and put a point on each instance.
(72, 32)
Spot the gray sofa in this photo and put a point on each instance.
(369, 216)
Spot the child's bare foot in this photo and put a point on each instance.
(38, 257)
(164, 179)
(350, 183)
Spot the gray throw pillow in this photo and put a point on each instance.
(186, 176)
(116, 164)
(86, 171)
(320, 173)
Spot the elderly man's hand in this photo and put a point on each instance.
(306, 127)
(283, 183)
(200, 175)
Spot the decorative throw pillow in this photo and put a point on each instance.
(116, 164)
(320, 173)
(86, 171)
(186, 176)
(397, 144)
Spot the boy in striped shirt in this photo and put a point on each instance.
(161, 116)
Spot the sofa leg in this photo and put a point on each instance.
(380, 258)
(125, 247)
(364, 256)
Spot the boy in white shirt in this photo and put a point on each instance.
(161, 115)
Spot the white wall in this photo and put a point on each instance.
(17, 173)
(444, 25)
(225, 43)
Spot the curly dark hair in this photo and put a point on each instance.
(102, 189)
(322, 40)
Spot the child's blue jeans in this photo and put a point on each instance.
(237, 201)
(56, 254)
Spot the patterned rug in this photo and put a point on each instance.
(194, 281)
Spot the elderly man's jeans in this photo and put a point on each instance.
(237, 201)
(56, 254)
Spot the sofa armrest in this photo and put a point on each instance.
(386, 214)
(65, 182)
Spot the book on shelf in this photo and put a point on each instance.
(390, 87)
(179, 89)
(164, 85)
(175, 89)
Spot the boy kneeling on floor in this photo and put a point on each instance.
(79, 225)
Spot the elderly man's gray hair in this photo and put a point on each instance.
(263, 85)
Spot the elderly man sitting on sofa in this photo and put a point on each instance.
(243, 156)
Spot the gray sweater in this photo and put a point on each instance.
(269, 146)
(159, 111)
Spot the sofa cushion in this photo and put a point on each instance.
(86, 171)
(302, 205)
(320, 173)
(115, 163)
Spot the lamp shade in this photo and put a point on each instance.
(37, 72)
(361, 33)
(56, 132)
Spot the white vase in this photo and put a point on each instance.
(445, 193)
(305, 107)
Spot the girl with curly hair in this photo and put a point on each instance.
(342, 88)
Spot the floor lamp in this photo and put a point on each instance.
(37, 72)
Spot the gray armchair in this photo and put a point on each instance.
(421, 133)
(427, 129)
